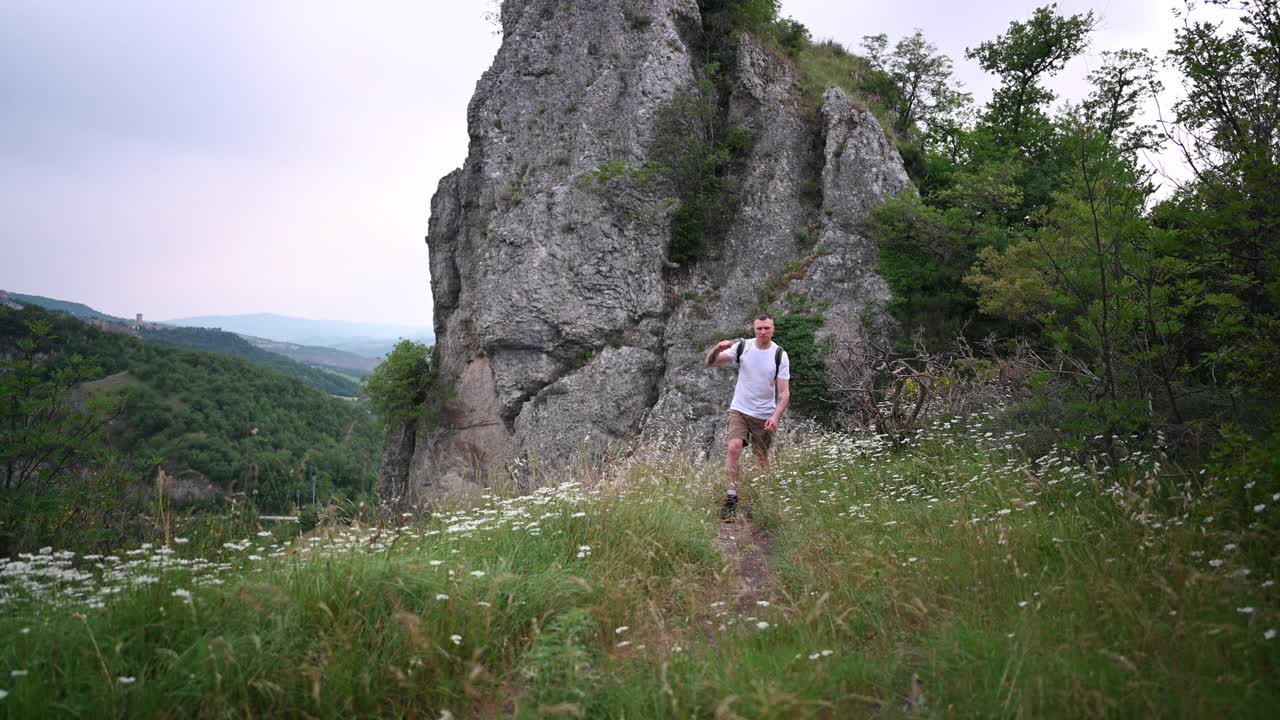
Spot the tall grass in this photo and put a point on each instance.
(956, 577)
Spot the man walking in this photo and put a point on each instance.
(759, 399)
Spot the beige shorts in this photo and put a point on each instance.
(751, 432)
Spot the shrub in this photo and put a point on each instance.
(399, 388)
(796, 331)
(699, 158)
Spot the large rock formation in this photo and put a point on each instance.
(561, 325)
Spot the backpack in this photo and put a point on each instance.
(777, 358)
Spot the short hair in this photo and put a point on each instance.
(765, 316)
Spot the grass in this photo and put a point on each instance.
(823, 65)
(954, 578)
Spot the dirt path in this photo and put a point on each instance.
(748, 577)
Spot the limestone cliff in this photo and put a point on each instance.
(561, 323)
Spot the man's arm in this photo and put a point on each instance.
(716, 357)
(784, 399)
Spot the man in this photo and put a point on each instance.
(759, 399)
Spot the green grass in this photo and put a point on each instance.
(955, 578)
(824, 65)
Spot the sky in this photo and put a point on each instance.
(222, 157)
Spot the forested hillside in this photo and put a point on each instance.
(212, 340)
(226, 343)
(246, 427)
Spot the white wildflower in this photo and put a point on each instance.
(126, 679)
(477, 573)
(1269, 634)
(623, 644)
(457, 639)
(1245, 610)
(441, 596)
(17, 673)
(762, 625)
(621, 629)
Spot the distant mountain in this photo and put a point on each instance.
(326, 357)
(73, 309)
(366, 339)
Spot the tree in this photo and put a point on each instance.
(47, 428)
(1022, 58)
(1093, 274)
(1228, 131)
(922, 88)
(1015, 125)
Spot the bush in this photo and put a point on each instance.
(700, 159)
(399, 388)
(796, 332)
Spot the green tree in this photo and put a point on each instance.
(1023, 57)
(1093, 274)
(401, 388)
(1015, 124)
(921, 88)
(1228, 131)
(48, 426)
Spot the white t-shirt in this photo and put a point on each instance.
(754, 394)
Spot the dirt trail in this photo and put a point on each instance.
(745, 547)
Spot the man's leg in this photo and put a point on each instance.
(732, 465)
(738, 434)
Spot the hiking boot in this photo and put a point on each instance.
(730, 509)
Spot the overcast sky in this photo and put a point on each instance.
(199, 157)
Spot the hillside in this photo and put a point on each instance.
(315, 355)
(335, 377)
(244, 426)
(73, 309)
(226, 343)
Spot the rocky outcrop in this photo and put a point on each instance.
(561, 324)
(811, 183)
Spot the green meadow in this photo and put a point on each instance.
(955, 577)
